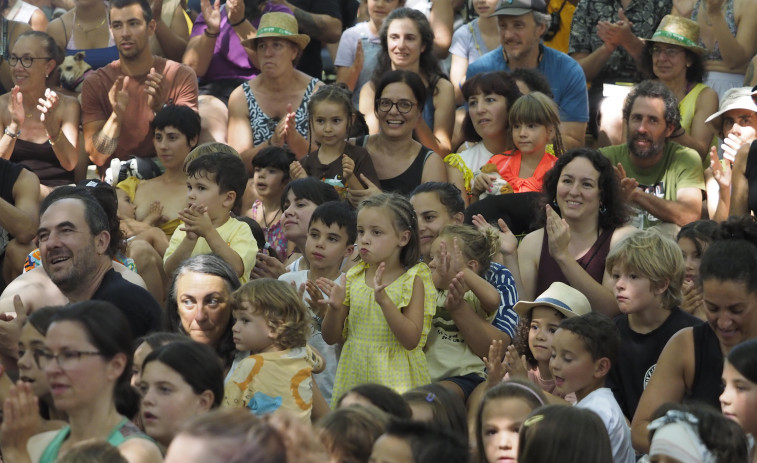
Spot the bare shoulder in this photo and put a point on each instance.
(621, 233)
(532, 240)
(138, 450)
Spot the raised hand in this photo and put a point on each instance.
(378, 284)
(456, 294)
(267, 267)
(558, 234)
(119, 96)
(156, 88)
(16, 107)
(212, 15)
(235, 10)
(335, 291)
(348, 167)
(516, 364)
(496, 367)
(21, 421)
(296, 171)
(357, 63)
(721, 171)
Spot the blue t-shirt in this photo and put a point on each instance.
(563, 73)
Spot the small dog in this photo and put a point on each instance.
(73, 71)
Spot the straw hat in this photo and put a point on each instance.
(559, 296)
(283, 25)
(679, 31)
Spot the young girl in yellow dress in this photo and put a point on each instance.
(381, 312)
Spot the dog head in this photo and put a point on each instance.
(73, 70)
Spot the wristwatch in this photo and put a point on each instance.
(12, 134)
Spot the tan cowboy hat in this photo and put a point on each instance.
(283, 25)
(676, 30)
(559, 296)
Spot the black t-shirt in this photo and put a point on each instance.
(638, 356)
(310, 62)
(751, 176)
(137, 305)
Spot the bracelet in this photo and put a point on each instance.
(211, 35)
(52, 140)
(12, 134)
(240, 22)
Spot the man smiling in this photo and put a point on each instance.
(119, 100)
(661, 179)
(522, 23)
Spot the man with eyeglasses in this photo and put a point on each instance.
(736, 124)
(522, 24)
(119, 100)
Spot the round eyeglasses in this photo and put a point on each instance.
(26, 60)
(403, 106)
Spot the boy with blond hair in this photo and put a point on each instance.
(647, 269)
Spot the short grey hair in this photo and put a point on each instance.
(543, 18)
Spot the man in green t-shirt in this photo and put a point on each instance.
(661, 179)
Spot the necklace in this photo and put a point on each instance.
(81, 28)
(269, 222)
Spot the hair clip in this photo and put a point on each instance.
(533, 420)
(267, 245)
(430, 397)
(673, 416)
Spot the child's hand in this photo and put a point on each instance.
(508, 243)
(336, 291)
(496, 367)
(196, 220)
(482, 183)
(21, 420)
(155, 214)
(692, 297)
(296, 171)
(379, 286)
(314, 298)
(348, 167)
(516, 365)
(267, 267)
(456, 294)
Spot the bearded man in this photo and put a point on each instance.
(662, 180)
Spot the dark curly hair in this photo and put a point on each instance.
(654, 89)
(521, 338)
(616, 211)
(429, 64)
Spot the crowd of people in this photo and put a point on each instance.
(378, 231)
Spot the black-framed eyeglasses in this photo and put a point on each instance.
(65, 359)
(26, 61)
(403, 106)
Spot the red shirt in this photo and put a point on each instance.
(508, 165)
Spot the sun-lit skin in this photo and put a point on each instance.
(393, 124)
(532, 139)
(488, 114)
(739, 399)
(519, 36)
(275, 55)
(670, 62)
(647, 130)
(501, 420)
(202, 190)
(741, 123)
(377, 239)
(326, 245)
(329, 122)
(544, 323)
(130, 31)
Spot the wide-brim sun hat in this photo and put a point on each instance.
(279, 25)
(675, 30)
(519, 7)
(735, 98)
(559, 296)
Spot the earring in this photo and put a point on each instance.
(554, 203)
(602, 208)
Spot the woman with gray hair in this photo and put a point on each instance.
(198, 303)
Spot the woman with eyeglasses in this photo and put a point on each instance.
(87, 360)
(401, 163)
(407, 43)
(40, 126)
(675, 58)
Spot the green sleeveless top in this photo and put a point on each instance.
(124, 431)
